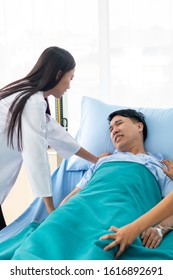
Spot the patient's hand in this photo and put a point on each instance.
(169, 165)
(151, 238)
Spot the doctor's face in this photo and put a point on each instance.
(63, 85)
(125, 133)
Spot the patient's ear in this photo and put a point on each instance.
(140, 126)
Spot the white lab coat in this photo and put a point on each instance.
(38, 131)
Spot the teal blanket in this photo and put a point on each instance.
(117, 193)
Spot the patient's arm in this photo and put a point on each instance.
(76, 190)
(152, 237)
(125, 235)
(169, 165)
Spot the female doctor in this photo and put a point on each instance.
(26, 129)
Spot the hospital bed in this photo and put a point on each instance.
(93, 134)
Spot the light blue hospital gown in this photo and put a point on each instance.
(150, 161)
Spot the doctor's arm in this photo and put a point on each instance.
(48, 201)
(86, 155)
(61, 141)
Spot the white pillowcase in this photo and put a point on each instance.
(94, 136)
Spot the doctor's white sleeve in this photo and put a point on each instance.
(35, 146)
(60, 140)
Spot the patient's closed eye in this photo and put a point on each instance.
(117, 123)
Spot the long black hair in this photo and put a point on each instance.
(42, 77)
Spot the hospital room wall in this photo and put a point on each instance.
(123, 49)
(21, 195)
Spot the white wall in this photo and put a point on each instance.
(123, 49)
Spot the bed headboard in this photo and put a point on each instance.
(93, 133)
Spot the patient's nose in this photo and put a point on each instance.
(115, 129)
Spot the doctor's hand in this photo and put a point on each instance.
(123, 237)
(105, 154)
(169, 165)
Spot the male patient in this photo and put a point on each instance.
(128, 132)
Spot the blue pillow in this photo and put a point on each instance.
(93, 133)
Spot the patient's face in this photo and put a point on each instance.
(125, 133)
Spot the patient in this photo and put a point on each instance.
(118, 189)
(128, 132)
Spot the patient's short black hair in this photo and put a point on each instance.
(132, 114)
